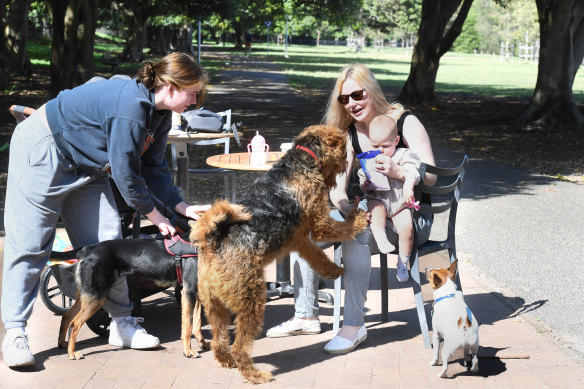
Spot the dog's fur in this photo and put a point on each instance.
(285, 210)
(450, 320)
(101, 262)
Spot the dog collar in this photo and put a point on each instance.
(444, 297)
(310, 152)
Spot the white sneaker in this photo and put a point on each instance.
(340, 345)
(15, 351)
(128, 333)
(289, 328)
(402, 274)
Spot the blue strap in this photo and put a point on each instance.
(469, 314)
(444, 297)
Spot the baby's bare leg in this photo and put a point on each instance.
(405, 229)
(378, 216)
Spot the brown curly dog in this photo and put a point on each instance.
(285, 210)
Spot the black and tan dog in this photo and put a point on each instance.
(150, 258)
(285, 210)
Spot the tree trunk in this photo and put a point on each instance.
(3, 79)
(431, 44)
(238, 35)
(74, 23)
(183, 39)
(136, 37)
(15, 32)
(561, 25)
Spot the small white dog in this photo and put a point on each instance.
(452, 320)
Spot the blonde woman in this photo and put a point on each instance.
(355, 100)
(61, 158)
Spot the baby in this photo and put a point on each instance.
(395, 202)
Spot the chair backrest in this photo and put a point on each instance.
(445, 193)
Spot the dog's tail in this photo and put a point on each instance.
(216, 222)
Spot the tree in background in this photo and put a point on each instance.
(503, 21)
(397, 20)
(74, 23)
(15, 33)
(561, 53)
(433, 41)
(468, 40)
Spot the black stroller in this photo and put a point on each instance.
(57, 287)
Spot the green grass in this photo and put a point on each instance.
(317, 67)
(310, 66)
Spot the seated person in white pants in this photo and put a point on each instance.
(356, 99)
(61, 158)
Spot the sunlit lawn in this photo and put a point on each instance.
(465, 73)
(317, 67)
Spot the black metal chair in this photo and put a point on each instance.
(445, 197)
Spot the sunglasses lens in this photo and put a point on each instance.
(357, 95)
(343, 99)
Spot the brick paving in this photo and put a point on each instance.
(514, 354)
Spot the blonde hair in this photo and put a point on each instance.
(179, 69)
(336, 115)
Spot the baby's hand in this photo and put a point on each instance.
(408, 195)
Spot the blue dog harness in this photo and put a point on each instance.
(468, 311)
(180, 248)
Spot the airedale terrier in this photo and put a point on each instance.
(285, 210)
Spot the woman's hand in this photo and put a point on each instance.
(191, 211)
(194, 211)
(160, 221)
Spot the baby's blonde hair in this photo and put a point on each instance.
(385, 124)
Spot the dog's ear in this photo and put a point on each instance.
(435, 280)
(452, 269)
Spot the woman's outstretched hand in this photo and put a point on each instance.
(194, 211)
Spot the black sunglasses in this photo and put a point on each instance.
(356, 95)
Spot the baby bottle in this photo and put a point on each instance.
(257, 149)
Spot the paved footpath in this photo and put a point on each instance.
(514, 353)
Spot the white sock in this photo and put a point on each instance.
(405, 259)
(16, 331)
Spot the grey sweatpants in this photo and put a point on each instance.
(357, 270)
(43, 186)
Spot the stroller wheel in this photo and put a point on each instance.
(52, 295)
